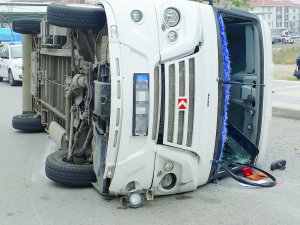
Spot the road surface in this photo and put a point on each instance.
(286, 94)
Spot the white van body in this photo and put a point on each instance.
(158, 114)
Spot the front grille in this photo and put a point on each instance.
(171, 102)
(180, 86)
(191, 101)
(156, 102)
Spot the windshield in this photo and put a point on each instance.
(16, 51)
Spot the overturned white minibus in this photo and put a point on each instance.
(144, 98)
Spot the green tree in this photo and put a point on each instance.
(240, 3)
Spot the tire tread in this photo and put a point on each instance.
(68, 174)
(27, 122)
(26, 25)
(76, 17)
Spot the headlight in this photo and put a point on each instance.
(171, 17)
(136, 15)
(135, 200)
(172, 36)
(168, 181)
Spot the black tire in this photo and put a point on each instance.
(1, 79)
(27, 25)
(12, 82)
(27, 122)
(77, 17)
(69, 174)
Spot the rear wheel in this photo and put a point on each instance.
(27, 25)
(1, 79)
(11, 79)
(76, 16)
(27, 122)
(59, 170)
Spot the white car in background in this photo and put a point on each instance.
(11, 62)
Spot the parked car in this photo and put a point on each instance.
(11, 62)
(297, 70)
(146, 98)
(281, 36)
(286, 37)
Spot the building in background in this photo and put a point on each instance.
(278, 14)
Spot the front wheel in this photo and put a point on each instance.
(59, 170)
(1, 79)
(11, 79)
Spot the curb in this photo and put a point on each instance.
(286, 113)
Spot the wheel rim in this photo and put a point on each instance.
(64, 159)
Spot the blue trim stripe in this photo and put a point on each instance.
(226, 64)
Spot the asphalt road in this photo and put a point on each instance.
(286, 91)
(286, 99)
(27, 197)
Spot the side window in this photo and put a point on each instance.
(4, 53)
(1, 52)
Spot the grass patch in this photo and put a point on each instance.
(286, 75)
(286, 55)
(292, 79)
(284, 72)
